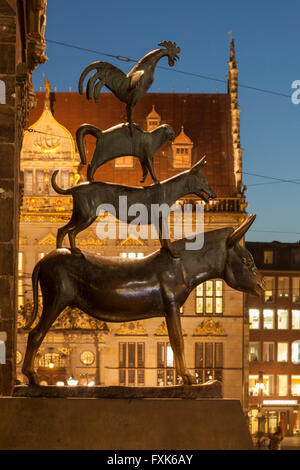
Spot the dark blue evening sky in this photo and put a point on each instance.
(267, 38)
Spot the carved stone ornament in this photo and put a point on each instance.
(209, 328)
(162, 330)
(131, 329)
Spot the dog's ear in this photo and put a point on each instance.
(199, 165)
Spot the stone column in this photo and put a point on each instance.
(21, 52)
(9, 192)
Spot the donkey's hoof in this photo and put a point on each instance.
(189, 379)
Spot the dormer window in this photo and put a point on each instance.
(182, 151)
(153, 120)
(124, 162)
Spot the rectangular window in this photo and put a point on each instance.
(268, 381)
(209, 298)
(40, 183)
(20, 280)
(268, 355)
(65, 179)
(295, 319)
(270, 289)
(124, 162)
(282, 319)
(296, 352)
(28, 182)
(166, 374)
(283, 287)
(253, 388)
(296, 290)
(282, 385)
(295, 385)
(268, 257)
(253, 352)
(254, 319)
(268, 319)
(208, 361)
(282, 352)
(131, 363)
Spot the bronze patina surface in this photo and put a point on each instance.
(118, 141)
(88, 196)
(128, 88)
(113, 289)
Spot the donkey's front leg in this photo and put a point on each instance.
(177, 343)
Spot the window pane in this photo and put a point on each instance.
(170, 377)
(208, 354)
(209, 288)
(122, 377)
(296, 289)
(198, 355)
(253, 389)
(199, 290)
(282, 318)
(283, 286)
(140, 355)
(219, 305)
(141, 377)
(268, 385)
(208, 305)
(268, 257)
(270, 289)
(253, 318)
(131, 377)
(28, 182)
(253, 352)
(296, 352)
(295, 319)
(199, 305)
(160, 355)
(218, 355)
(122, 354)
(219, 288)
(282, 385)
(295, 385)
(131, 355)
(268, 319)
(282, 352)
(170, 357)
(268, 352)
(39, 181)
(160, 378)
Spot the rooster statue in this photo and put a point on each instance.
(128, 88)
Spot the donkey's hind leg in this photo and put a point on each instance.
(49, 314)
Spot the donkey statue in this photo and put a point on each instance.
(113, 289)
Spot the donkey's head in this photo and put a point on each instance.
(240, 271)
(197, 182)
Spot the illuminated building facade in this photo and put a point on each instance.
(81, 349)
(274, 346)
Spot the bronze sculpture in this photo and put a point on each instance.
(118, 141)
(113, 289)
(128, 88)
(88, 196)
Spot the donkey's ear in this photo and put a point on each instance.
(199, 164)
(240, 231)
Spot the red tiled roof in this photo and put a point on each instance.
(206, 119)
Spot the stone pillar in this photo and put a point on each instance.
(9, 192)
(21, 52)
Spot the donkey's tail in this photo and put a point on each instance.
(56, 187)
(35, 280)
(81, 132)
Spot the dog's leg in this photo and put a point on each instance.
(145, 171)
(72, 233)
(177, 343)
